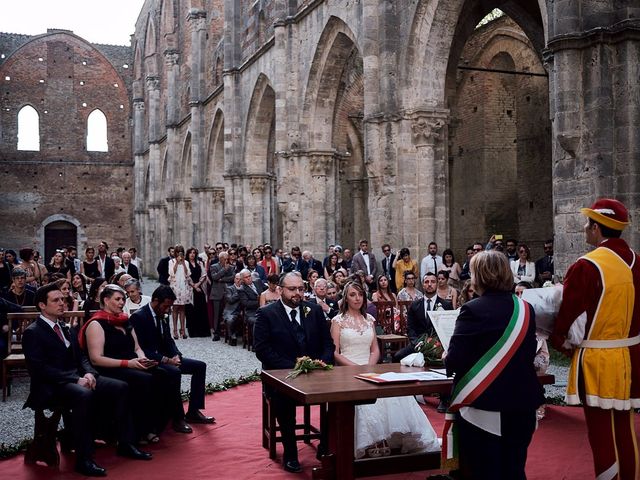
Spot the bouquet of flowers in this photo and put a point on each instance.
(306, 364)
(431, 348)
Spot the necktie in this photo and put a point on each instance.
(56, 328)
(435, 265)
(159, 326)
(300, 335)
(428, 304)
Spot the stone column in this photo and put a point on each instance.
(156, 206)
(171, 60)
(431, 179)
(357, 187)
(321, 223)
(259, 215)
(217, 216)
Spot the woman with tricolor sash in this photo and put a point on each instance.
(496, 392)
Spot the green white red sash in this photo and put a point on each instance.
(481, 375)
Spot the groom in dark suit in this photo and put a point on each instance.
(284, 331)
(154, 337)
(62, 376)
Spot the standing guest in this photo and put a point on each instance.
(196, 312)
(409, 291)
(388, 270)
(128, 266)
(249, 296)
(58, 265)
(511, 251)
(465, 272)
(605, 366)
(135, 259)
(5, 271)
(268, 263)
(135, 299)
(180, 282)
(432, 262)
(366, 261)
(284, 331)
(523, 269)
(222, 276)
(332, 266)
(330, 250)
(232, 308)
(347, 259)
(403, 264)
(117, 269)
(294, 262)
(544, 266)
(62, 376)
(72, 258)
(89, 266)
(29, 265)
(18, 293)
(155, 341)
(79, 289)
(105, 263)
(112, 346)
(253, 266)
(272, 293)
(163, 267)
(450, 265)
(495, 425)
(11, 258)
(445, 290)
(309, 263)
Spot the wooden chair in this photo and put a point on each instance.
(390, 340)
(270, 431)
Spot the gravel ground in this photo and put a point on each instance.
(223, 362)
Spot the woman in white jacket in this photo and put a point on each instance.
(523, 269)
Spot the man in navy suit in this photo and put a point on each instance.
(154, 337)
(62, 376)
(163, 267)
(284, 331)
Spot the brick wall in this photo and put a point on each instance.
(65, 78)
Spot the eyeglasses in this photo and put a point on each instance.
(386, 250)
(218, 248)
(59, 251)
(294, 289)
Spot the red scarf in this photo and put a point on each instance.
(119, 320)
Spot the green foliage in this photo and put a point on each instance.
(8, 451)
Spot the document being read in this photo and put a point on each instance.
(444, 321)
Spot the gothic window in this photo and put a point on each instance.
(28, 129)
(97, 132)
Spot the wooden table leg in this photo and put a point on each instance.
(341, 438)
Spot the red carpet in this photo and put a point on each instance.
(232, 448)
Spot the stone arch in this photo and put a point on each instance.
(500, 133)
(260, 128)
(150, 47)
(61, 219)
(337, 43)
(184, 176)
(215, 154)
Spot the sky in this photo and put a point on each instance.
(97, 21)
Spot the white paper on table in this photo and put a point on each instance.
(419, 376)
(444, 321)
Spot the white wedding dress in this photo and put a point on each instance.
(398, 420)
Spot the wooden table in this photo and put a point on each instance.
(342, 392)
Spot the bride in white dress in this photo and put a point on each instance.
(397, 421)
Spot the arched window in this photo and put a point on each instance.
(97, 132)
(28, 129)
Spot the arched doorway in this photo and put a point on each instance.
(500, 138)
(59, 234)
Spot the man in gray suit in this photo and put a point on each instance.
(232, 308)
(221, 274)
(366, 261)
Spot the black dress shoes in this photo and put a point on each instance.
(181, 426)
(89, 468)
(292, 466)
(131, 451)
(215, 337)
(198, 417)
